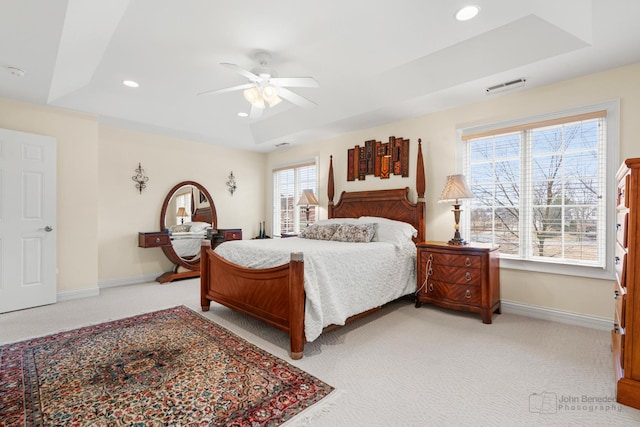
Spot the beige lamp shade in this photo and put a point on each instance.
(455, 189)
(307, 199)
(182, 212)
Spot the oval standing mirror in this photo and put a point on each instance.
(188, 212)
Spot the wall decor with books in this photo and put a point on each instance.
(378, 159)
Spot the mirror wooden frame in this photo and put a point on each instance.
(192, 266)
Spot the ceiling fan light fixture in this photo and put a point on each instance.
(252, 95)
(275, 100)
(269, 91)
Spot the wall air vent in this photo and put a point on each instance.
(282, 144)
(503, 87)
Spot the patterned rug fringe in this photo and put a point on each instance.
(312, 413)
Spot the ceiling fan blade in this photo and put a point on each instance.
(229, 89)
(294, 81)
(296, 99)
(256, 112)
(242, 71)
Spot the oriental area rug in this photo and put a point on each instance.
(171, 367)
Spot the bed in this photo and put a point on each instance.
(277, 294)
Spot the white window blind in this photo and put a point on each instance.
(288, 184)
(541, 189)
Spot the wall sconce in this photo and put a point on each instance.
(231, 183)
(140, 178)
(455, 189)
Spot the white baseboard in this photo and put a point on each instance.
(77, 294)
(577, 319)
(128, 280)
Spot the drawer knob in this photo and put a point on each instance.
(157, 240)
(467, 276)
(467, 262)
(430, 273)
(430, 257)
(430, 287)
(467, 294)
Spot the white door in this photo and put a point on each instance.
(27, 220)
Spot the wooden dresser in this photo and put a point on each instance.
(626, 328)
(465, 277)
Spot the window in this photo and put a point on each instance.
(288, 184)
(184, 201)
(542, 188)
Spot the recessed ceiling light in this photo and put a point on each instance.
(242, 114)
(467, 12)
(130, 83)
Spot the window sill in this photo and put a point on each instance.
(563, 269)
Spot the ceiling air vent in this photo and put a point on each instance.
(503, 87)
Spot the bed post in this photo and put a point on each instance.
(420, 189)
(296, 305)
(205, 303)
(330, 188)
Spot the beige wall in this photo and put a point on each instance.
(123, 211)
(77, 186)
(100, 213)
(438, 132)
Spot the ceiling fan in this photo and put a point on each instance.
(264, 88)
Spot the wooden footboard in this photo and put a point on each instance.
(276, 295)
(273, 295)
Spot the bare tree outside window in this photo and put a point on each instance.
(539, 191)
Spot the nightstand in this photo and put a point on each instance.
(465, 277)
(224, 235)
(153, 239)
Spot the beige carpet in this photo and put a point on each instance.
(404, 366)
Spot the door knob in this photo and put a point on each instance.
(48, 229)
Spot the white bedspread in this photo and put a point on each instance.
(186, 244)
(340, 279)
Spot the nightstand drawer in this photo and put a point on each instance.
(153, 240)
(453, 292)
(464, 276)
(232, 235)
(473, 261)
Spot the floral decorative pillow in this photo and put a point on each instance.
(355, 233)
(319, 232)
(180, 228)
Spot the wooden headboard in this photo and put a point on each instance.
(204, 215)
(393, 204)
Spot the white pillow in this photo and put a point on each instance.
(337, 221)
(197, 227)
(389, 230)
